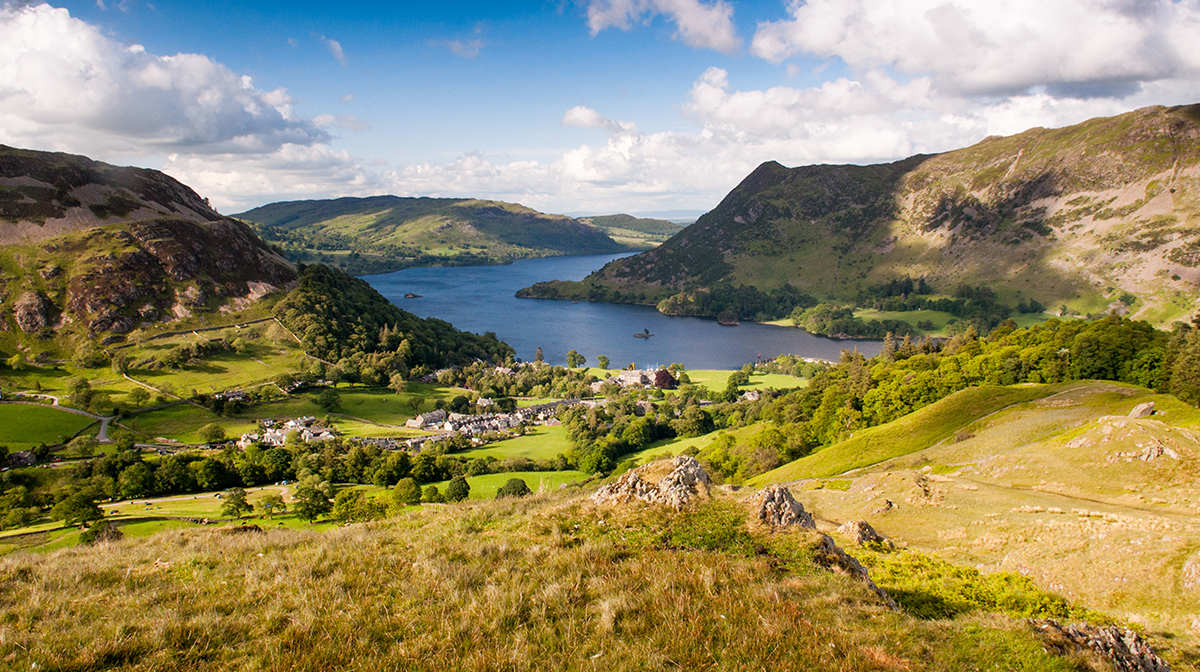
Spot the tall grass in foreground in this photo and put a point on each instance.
(541, 583)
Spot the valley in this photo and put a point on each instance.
(186, 407)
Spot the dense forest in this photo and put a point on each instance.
(343, 320)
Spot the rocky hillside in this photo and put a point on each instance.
(385, 233)
(1097, 215)
(93, 249)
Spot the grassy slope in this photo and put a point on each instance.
(916, 431)
(504, 585)
(1051, 488)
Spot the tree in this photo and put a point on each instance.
(515, 487)
(138, 396)
(329, 400)
(312, 498)
(538, 357)
(272, 504)
(136, 480)
(415, 403)
(602, 361)
(81, 392)
(458, 489)
(212, 433)
(398, 384)
(575, 360)
(78, 508)
(235, 504)
(432, 495)
(82, 446)
(406, 492)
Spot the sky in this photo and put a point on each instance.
(572, 106)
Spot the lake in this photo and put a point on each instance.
(481, 299)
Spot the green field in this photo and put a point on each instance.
(485, 486)
(716, 380)
(23, 427)
(538, 443)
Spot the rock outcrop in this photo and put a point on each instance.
(30, 312)
(830, 555)
(677, 489)
(1124, 648)
(1142, 410)
(777, 508)
(860, 532)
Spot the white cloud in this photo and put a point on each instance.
(1076, 48)
(705, 26)
(65, 86)
(346, 121)
(334, 48)
(462, 48)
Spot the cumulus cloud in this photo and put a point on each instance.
(64, 85)
(1077, 48)
(705, 26)
(334, 48)
(346, 121)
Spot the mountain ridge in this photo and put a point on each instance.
(1078, 217)
(385, 233)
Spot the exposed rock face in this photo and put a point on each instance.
(860, 532)
(1125, 648)
(1142, 410)
(30, 312)
(778, 508)
(686, 480)
(830, 555)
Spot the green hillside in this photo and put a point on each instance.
(1081, 219)
(385, 233)
(1062, 487)
(634, 231)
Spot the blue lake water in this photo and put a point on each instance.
(481, 299)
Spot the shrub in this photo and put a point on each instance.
(101, 531)
(432, 495)
(458, 489)
(406, 492)
(515, 487)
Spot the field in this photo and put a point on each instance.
(23, 426)
(485, 486)
(538, 443)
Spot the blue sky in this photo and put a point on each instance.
(588, 106)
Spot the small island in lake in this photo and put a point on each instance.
(411, 295)
(645, 334)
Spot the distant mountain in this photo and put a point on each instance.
(90, 249)
(1094, 216)
(634, 231)
(384, 233)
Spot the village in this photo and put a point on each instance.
(479, 428)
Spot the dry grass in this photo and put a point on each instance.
(547, 582)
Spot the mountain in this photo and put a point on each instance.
(1082, 219)
(89, 249)
(386, 233)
